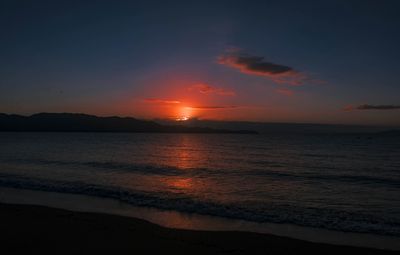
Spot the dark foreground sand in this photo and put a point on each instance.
(37, 230)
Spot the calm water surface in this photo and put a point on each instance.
(339, 182)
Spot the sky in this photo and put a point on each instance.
(274, 61)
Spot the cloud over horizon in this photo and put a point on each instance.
(214, 107)
(208, 89)
(372, 107)
(160, 101)
(201, 107)
(256, 65)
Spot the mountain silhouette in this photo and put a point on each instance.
(76, 122)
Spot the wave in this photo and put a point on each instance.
(271, 170)
(328, 218)
(108, 166)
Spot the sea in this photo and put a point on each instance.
(340, 182)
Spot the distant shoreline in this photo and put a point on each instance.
(74, 122)
(131, 132)
(79, 122)
(38, 228)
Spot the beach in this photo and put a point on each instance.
(31, 228)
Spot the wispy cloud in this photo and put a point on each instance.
(214, 107)
(161, 101)
(372, 107)
(285, 91)
(208, 89)
(256, 65)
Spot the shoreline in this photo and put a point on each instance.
(40, 228)
(178, 220)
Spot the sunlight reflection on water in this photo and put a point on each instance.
(337, 182)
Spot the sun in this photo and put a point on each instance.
(183, 118)
(184, 114)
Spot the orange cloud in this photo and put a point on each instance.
(161, 101)
(214, 107)
(254, 65)
(207, 89)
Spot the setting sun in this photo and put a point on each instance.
(184, 113)
(183, 118)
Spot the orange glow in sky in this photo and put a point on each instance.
(185, 113)
(180, 98)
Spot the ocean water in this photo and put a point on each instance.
(345, 182)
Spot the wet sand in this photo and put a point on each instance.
(28, 228)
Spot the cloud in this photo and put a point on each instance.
(214, 107)
(208, 89)
(161, 101)
(255, 65)
(372, 107)
(285, 91)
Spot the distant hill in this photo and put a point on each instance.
(74, 122)
(283, 128)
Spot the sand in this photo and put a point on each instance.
(32, 229)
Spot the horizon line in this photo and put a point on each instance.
(211, 120)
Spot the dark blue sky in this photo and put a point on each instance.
(338, 61)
